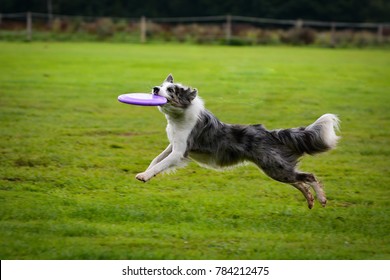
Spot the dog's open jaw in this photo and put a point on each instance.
(195, 133)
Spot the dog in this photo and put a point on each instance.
(195, 133)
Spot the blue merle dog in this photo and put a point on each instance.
(195, 133)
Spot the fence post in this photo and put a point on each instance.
(299, 23)
(29, 26)
(143, 29)
(228, 29)
(332, 39)
(380, 34)
(50, 12)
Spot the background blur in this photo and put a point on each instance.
(334, 23)
(331, 10)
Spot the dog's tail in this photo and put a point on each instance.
(318, 137)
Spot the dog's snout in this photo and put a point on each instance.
(156, 90)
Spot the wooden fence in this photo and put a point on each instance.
(226, 21)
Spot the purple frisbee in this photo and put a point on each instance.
(142, 99)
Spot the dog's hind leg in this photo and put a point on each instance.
(305, 190)
(320, 192)
(312, 181)
(285, 172)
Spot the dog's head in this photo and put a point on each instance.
(178, 96)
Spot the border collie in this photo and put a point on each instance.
(195, 133)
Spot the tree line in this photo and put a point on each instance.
(328, 10)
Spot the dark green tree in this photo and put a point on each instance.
(329, 10)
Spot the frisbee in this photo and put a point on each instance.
(142, 99)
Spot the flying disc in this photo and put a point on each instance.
(142, 99)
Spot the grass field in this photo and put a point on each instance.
(70, 151)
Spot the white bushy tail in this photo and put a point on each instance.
(326, 126)
(318, 137)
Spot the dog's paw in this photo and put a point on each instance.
(310, 202)
(143, 177)
(310, 199)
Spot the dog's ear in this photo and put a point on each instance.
(192, 94)
(169, 79)
(185, 95)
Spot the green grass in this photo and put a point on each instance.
(70, 151)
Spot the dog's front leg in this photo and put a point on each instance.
(173, 159)
(143, 176)
(160, 157)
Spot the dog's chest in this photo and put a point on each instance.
(179, 132)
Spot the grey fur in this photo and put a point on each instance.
(276, 152)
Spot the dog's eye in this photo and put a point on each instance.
(170, 90)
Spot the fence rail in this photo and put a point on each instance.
(226, 21)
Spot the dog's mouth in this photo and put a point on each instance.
(156, 91)
(156, 94)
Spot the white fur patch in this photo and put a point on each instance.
(328, 124)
